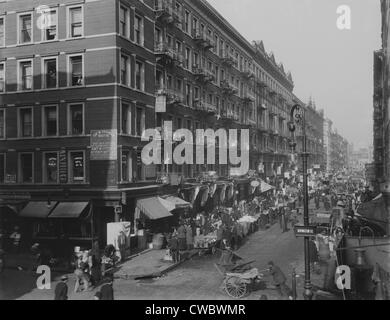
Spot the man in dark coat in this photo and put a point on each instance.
(107, 291)
(61, 290)
(279, 280)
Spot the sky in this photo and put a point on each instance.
(333, 66)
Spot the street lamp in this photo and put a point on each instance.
(297, 118)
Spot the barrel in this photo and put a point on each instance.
(158, 241)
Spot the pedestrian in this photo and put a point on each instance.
(313, 254)
(15, 237)
(173, 245)
(181, 237)
(61, 290)
(107, 290)
(189, 237)
(279, 280)
(81, 275)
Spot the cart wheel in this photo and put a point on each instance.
(235, 287)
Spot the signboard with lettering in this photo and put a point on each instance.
(302, 231)
(63, 166)
(161, 103)
(104, 145)
(10, 178)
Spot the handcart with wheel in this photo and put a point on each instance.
(239, 280)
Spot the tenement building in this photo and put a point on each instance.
(80, 81)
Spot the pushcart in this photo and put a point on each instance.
(238, 282)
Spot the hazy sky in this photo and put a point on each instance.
(333, 66)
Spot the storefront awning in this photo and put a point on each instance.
(177, 202)
(155, 208)
(37, 209)
(68, 210)
(264, 187)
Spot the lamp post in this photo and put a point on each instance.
(297, 118)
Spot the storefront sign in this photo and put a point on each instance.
(10, 178)
(104, 145)
(302, 231)
(63, 166)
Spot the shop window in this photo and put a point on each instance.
(26, 164)
(77, 166)
(50, 167)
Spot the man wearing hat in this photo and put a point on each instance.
(61, 290)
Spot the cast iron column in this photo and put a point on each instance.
(298, 117)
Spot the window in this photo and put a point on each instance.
(2, 124)
(50, 121)
(49, 33)
(2, 35)
(187, 22)
(123, 21)
(76, 70)
(138, 30)
(25, 75)
(50, 73)
(2, 77)
(50, 167)
(25, 28)
(139, 76)
(127, 166)
(139, 122)
(76, 119)
(77, 166)
(188, 95)
(2, 167)
(26, 164)
(125, 70)
(126, 118)
(188, 58)
(75, 17)
(25, 122)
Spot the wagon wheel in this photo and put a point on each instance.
(235, 287)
